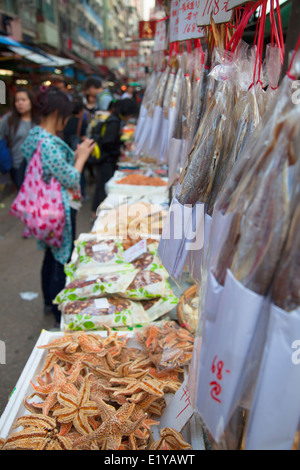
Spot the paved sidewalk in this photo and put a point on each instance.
(21, 321)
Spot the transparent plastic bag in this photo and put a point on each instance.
(169, 345)
(197, 176)
(94, 314)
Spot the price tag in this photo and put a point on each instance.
(135, 251)
(100, 247)
(183, 20)
(179, 410)
(91, 278)
(174, 21)
(188, 28)
(160, 40)
(101, 304)
(218, 9)
(236, 3)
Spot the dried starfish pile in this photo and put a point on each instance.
(168, 345)
(96, 393)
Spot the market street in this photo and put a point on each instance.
(21, 321)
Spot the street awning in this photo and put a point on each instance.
(34, 54)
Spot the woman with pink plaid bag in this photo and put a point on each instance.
(60, 163)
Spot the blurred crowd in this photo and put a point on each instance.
(73, 136)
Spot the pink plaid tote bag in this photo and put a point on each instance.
(39, 205)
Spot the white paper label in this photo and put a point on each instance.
(179, 411)
(100, 247)
(91, 278)
(101, 304)
(135, 251)
(183, 20)
(217, 8)
(160, 36)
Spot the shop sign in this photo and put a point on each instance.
(147, 29)
(108, 53)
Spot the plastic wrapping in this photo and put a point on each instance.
(96, 255)
(96, 286)
(94, 314)
(248, 233)
(197, 177)
(275, 412)
(168, 345)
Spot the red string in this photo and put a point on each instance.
(280, 23)
(248, 12)
(275, 32)
(197, 43)
(260, 44)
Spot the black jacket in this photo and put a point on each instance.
(110, 139)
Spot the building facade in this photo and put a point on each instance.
(71, 28)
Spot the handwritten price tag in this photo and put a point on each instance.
(160, 36)
(218, 370)
(183, 22)
(218, 9)
(135, 251)
(179, 410)
(174, 21)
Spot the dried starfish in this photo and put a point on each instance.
(59, 383)
(170, 439)
(68, 343)
(50, 361)
(39, 433)
(77, 408)
(115, 425)
(78, 362)
(151, 386)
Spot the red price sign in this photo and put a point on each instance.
(218, 9)
(218, 370)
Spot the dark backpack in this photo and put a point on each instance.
(5, 157)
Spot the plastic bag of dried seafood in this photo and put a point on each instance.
(160, 306)
(96, 255)
(183, 232)
(155, 137)
(167, 110)
(111, 311)
(96, 286)
(148, 284)
(169, 346)
(275, 412)
(257, 201)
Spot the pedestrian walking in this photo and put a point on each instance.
(75, 132)
(15, 127)
(109, 142)
(61, 162)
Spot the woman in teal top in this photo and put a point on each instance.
(59, 161)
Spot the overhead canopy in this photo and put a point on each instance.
(34, 54)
